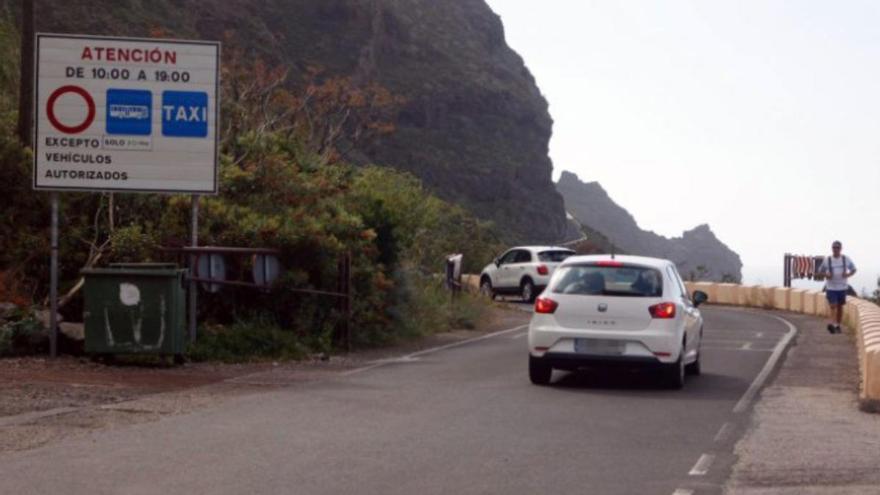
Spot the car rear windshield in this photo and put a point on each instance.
(597, 280)
(554, 256)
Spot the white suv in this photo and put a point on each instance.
(523, 271)
(601, 310)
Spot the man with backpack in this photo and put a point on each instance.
(837, 269)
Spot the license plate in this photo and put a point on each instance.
(599, 346)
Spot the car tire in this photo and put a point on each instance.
(486, 288)
(694, 369)
(539, 371)
(674, 373)
(527, 289)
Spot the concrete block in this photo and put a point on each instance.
(871, 380)
(726, 294)
(781, 298)
(761, 297)
(745, 295)
(796, 300)
(809, 302)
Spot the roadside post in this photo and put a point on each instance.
(124, 115)
(453, 275)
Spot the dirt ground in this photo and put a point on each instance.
(44, 400)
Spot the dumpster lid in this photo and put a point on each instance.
(132, 272)
(150, 265)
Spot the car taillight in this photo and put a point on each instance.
(663, 310)
(614, 264)
(545, 306)
(543, 270)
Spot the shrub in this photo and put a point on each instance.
(254, 340)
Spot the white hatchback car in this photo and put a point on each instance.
(630, 310)
(523, 271)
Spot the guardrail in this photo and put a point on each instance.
(863, 317)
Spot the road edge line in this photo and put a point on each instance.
(432, 350)
(759, 381)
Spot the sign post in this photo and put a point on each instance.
(125, 114)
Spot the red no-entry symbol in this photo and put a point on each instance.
(50, 109)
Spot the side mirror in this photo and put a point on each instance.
(700, 297)
(497, 262)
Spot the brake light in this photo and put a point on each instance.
(615, 264)
(545, 306)
(543, 270)
(663, 310)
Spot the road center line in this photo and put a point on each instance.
(519, 335)
(682, 491)
(702, 466)
(431, 350)
(724, 433)
(756, 385)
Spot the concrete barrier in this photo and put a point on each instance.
(796, 300)
(863, 317)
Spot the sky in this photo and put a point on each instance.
(758, 117)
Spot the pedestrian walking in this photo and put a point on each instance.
(837, 268)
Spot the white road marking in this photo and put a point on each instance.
(702, 466)
(433, 350)
(404, 359)
(756, 385)
(724, 433)
(519, 335)
(682, 491)
(758, 335)
(746, 347)
(737, 349)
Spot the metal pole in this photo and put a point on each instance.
(786, 274)
(53, 281)
(193, 285)
(26, 80)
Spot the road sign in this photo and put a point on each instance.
(125, 114)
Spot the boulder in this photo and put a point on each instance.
(73, 331)
(44, 316)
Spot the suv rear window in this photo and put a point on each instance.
(554, 256)
(597, 280)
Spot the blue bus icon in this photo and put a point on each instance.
(185, 114)
(129, 112)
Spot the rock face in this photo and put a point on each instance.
(698, 253)
(474, 127)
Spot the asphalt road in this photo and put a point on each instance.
(457, 420)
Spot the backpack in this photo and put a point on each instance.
(849, 289)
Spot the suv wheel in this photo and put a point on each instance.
(539, 371)
(486, 288)
(528, 291)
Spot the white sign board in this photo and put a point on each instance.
(121, 114)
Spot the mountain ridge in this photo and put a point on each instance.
(698, 252)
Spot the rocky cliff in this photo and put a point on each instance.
(474, 127)
(698, 252)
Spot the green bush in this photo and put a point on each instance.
(255, 340)
(22, 334)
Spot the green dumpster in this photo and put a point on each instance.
(135, 308)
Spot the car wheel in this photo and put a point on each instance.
(486, 289)
(674, 373)
(539, 371)
(694, 369)
(528, 291)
